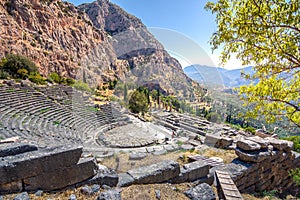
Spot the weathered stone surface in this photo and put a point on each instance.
(192, 171)
(224, 142)
(12, 187)
(60, 178)
(256, 156)
(12, 149)
(280, 144)
(159, 152)
(201, 192)
(33, 163)
(105, 176)
(211, 139)
(248, 145)
(261, 141)
(114, 194)
(72, 197)
(22, 196)
(125, 180)
(137, 156)
(86, 190)
(187, 147)
(96, 188)
(39, 193)
(156, 173)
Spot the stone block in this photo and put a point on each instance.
(62, 177)
(282, 145)
(113, 194)
(22, 196)
(224, 142)
(12, 187)
(187, 147)
(125, 180)
(12, 149)
(156, 173)
(105, 176)
(248, 145)
(33, 163)
(137, 156)
(192, 171)
(255, 157)
(211, 139)
(201, 192)
(261, 141)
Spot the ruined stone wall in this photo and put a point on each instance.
(264, 165)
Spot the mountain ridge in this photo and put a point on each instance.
(96, 42)
(217, 76)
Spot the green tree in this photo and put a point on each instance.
(138, 102)
(125, 92)
(264, 34)
(14, 62)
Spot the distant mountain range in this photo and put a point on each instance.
(216, 76)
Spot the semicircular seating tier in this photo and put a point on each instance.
(51, 115)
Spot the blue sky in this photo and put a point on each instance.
(185, 18)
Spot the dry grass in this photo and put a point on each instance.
(121, 162)
(147, 192)
(226, 155)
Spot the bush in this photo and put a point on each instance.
(14, 62)
(4, 75)
(295, 174)
(296, 141)
(213, 117)
(70, 81)
(79, 85)
(55, 77)
(37, 78)
(250, 130)
(23, 73)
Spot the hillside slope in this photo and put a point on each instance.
(95, 42)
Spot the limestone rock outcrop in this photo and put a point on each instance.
(96, 42)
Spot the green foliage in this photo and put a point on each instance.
(55, 77)
(250, 130)
(79, 85)
(4, 75)
(15, 62)
(296, 141)
(37, 78)
(295, 173)
(69, 81)
(60, 80)
(112, 84)
(264, 34)
(213, 117)
(138, 102)
(270, 194)
(23, 73)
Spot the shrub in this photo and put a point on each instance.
(23, 73)
(37, 78)
(250, 130)
(213, 117)
(4, 75)
(70, 81)
(55, 77)
(14, 62)
(295, 173)
(79, 85)
(296, 141)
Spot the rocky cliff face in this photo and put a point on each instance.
(96, 42)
